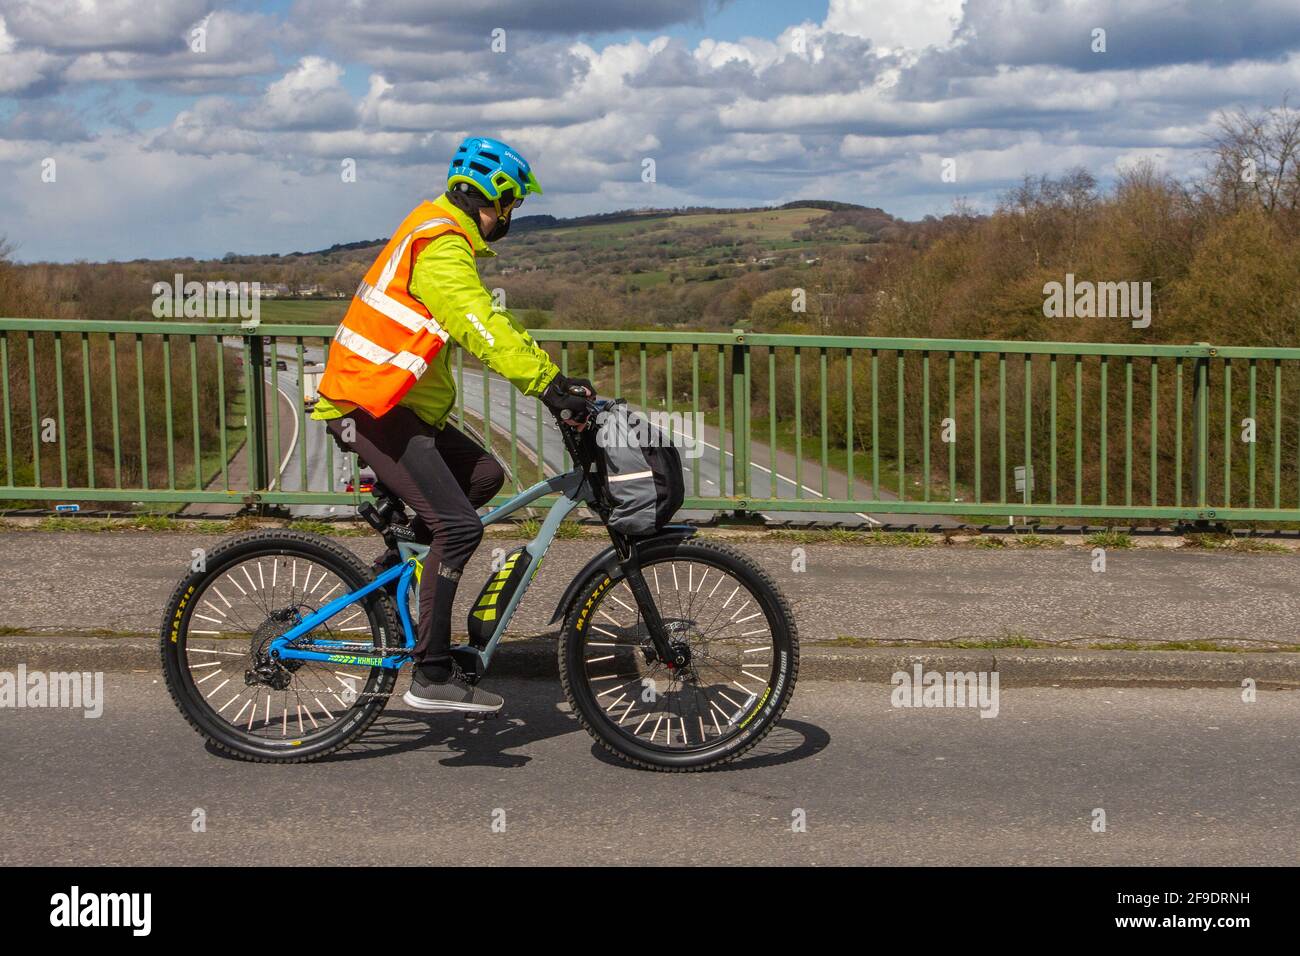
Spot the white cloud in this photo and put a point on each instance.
(104, 24)
(22, 69)
(309, 96)
(235, 46)
(208, 129)
(717, 53)
(371, 104)
(1137, 32)
(162, 204)
(860, 106)
(896, 24)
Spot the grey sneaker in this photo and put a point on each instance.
(457, 694)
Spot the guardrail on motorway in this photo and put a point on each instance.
(164, 412)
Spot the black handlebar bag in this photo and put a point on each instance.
(641, 468)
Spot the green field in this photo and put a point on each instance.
(322, 311)
(776, 224)
(603, 232)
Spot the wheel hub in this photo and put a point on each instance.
(681, 655)
(680, 634)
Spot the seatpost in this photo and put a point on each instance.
(380, 516)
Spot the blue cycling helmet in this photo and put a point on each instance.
(493, 168)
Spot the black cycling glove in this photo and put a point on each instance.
(569, 398)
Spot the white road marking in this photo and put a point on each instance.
(293, 442)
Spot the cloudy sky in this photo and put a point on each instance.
(199, 127)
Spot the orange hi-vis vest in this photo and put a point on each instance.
(388, 338)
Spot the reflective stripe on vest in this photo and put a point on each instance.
(388, 338)
(395, 259)
(378, 354)
(398, 311)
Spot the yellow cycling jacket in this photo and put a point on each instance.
(423, 289)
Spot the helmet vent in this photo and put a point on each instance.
(492, 167)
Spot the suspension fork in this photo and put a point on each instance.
(630, 562)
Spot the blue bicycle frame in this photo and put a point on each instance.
(570, 487)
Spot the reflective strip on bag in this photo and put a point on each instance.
(632, 475)
(368, 350)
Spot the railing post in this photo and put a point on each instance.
(1201, 388)
(740, 418)
(258, 471)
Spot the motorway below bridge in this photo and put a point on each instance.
(326, 469)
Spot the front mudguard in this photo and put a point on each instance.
(607, 562)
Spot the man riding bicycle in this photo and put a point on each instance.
(387, 390)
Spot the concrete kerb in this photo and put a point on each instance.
(535, 657)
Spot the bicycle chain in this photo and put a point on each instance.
(383, 652)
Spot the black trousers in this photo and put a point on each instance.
(443, 475)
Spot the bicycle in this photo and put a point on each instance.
(665, 683)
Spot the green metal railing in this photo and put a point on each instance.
(167, 413)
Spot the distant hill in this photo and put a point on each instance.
(667, 268)
(690, 267)
(344, 247)
(538, 223)
(534, 223)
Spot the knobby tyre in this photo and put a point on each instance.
(742, 644)
(221, 618)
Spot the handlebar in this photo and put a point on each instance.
(580, 440)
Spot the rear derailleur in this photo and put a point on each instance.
(267, 670)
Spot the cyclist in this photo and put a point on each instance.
(387, 390)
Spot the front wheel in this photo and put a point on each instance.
(740, 644)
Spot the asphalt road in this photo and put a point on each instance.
(1185, 777)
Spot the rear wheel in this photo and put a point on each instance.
(219, 624)
(736, 632)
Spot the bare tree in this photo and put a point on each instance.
(10, 303)
(1255, 159)
(1047, 211)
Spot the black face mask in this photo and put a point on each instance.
(470, 202)
(499, 230)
